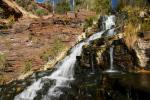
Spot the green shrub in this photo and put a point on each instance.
(62, 7)
(145, 26)
(11, 21)
(52, 52)
(99, 6)
(31, 6)
(3, 62)
(89, 21)
(23, 3)
(28, 64)
(40, 12)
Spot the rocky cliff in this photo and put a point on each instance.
(124, 59)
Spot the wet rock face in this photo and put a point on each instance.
(87, 57)
(123, 59)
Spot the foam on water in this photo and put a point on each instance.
(64, 72)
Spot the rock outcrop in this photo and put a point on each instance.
(98, 52)
(142, 50)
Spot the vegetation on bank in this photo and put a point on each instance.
(89, 21)
(134, 23)
(56, 48)
(32, 7)
(130, 33)
(3, 62)
(100, 6)
(28, 64)
(62, 7)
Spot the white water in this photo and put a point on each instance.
(111, 69)
(111, 58)
(62, 76)
(110, 21)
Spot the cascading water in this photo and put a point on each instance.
(110, 26)
(110, 22)
(111, 58)
(62, 76)
(111, 69)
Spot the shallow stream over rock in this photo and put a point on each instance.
(72, 81)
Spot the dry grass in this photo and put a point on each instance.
(57, 47)
(130, 34)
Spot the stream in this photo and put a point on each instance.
(68, 82)
(62, 77)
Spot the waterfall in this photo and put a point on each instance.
(111, 69)
(62, 76)
(110, 22)
(111, 58)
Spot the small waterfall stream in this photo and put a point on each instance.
(111, 58)
(63, 75)
(111, 69)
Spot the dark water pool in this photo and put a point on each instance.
(90, 85)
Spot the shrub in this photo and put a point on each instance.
(23, 3)
(11, 21)
(145, 26)
(130, 35)
(40, 12)
(89, 21)
(32, 7)
(52, 52)
(102, 6)
(62, 7)
(28, 64)
(3, 62)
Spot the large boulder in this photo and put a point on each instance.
(142, 50)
